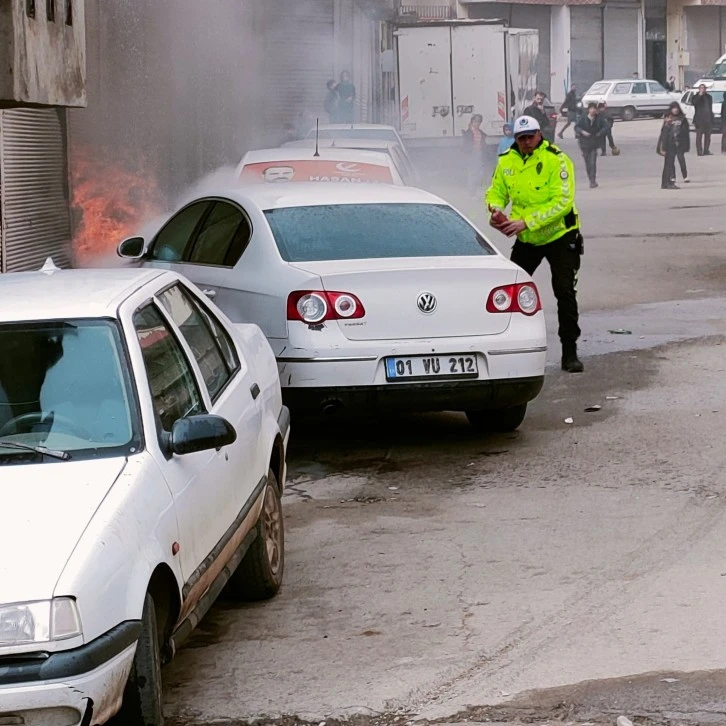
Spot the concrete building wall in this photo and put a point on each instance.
(43, 58)
(560, 56)
(703, 40)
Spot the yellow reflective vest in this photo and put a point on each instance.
(541, 188)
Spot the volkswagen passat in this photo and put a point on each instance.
(373, 297)
(142, 455)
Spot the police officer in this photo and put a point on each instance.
(539, 181)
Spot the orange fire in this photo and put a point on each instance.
(111, 200)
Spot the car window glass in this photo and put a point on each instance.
(218, 233)
(229, 353)
(657, 88)
(360, 231)
(173, 239)
(196, 332)
(601, 87)
(621, 89)
(174, 391)
(640, 88)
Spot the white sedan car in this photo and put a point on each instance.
(142, 451)
(374, 297)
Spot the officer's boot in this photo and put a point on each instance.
(570, 362)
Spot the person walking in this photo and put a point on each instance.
(474, 143)
(607, 137)
(703, 120)
(681, 132)
(538, 179)
(590, 129)
(346, 96)
(505, 143)
(569, 108)
(536, 110)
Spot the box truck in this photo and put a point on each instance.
(449, 70)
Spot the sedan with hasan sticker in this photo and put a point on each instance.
(143, 441)
(372, 297)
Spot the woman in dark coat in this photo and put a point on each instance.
(681, 130)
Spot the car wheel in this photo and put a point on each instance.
(498, 420)
(628, 113)
(259, 575)
(142, 702)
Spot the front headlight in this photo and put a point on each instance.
(39, 622)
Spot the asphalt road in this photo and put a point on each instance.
(567, 572)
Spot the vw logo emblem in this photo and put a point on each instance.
(426, 302)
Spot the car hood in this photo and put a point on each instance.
(45, 510)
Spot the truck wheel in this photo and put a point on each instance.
(498, 420)
(142, 702)
(628, 113)
(259, 575)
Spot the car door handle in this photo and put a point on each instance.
(211, 294)
(254, 390)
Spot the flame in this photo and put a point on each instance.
(111, 200)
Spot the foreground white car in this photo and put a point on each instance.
(377, 296)
(142, 456)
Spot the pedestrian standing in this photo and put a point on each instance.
(703, 120)
(590, 130)
(474, 142)
(607, 137)
(671, 84)
(681, 131)
(723, 125)
(538, 179)
(569, 108)
(346, 96)
(536, 110)
(505, 143)
(667, 149)
(332, 101)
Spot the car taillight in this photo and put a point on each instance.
(520, 298)
(317, 306)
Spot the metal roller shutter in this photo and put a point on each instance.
(537, 17)
(586, 45)
(299, 58)
(703, 36)
(34, 206)
(621, 41)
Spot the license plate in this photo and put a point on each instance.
(422, 367)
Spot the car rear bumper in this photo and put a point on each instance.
(429, 396)
(80, 686)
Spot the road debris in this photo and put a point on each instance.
(620, 331)
(624, 721)
(593, 409)
(669, 680)
(569, 420)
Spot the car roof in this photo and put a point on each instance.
(625, 80)
(70, 294)
(310, 194)
(352, 143)
(367, 127)
(303, 153)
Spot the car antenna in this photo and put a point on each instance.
(317, 137)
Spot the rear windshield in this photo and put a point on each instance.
(365, 231)
(598, 88)
(363, 134)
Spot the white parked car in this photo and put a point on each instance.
(373, 296)
(142, 451)
(689, 110)
(371, 132)
(628, 98)
(345, 166)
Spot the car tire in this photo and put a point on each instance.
(259, 575)
(629, 113)
(498, 420)
(142, 700)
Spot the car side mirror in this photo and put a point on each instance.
(132, 248)
(201, 433)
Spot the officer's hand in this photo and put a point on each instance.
(514, 227)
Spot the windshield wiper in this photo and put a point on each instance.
(53, 453)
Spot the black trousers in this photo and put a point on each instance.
(607, 138)
(590, 156)
(669, 169)
(703, 140)
(681, 156)
(564, 259)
